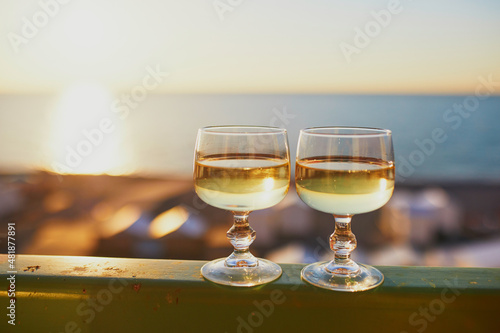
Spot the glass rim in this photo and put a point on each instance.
(220, 129)
(357, 131)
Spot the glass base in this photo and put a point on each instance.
(265, 272)
(367, 278)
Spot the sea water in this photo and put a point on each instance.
(436, 138)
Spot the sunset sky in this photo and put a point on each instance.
(278, 46)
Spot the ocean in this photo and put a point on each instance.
(436, 138)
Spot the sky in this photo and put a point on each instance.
(241, 46)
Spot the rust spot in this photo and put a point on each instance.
(137, 287)
(32, 268)
(114, 270)
(79, 269)
(170, 296)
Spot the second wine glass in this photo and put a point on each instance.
(344, 171)
(241, 169)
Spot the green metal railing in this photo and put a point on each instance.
(89, 294)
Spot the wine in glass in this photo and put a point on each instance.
(344, 171)
(241, 169)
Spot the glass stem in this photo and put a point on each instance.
(342, 242)
(241, 235)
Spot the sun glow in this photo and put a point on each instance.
(268, 183)
(86, 137)
(383, 184)
(168, 222)
(120, 221)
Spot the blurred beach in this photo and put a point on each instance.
(130, 216)
(80, 177)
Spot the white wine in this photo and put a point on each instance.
(344, 185)
(242, 183)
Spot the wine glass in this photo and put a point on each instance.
(344, 171)
(241, 169)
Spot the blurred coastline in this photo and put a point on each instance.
(157, 136)
(444, 211)
(431, 224)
